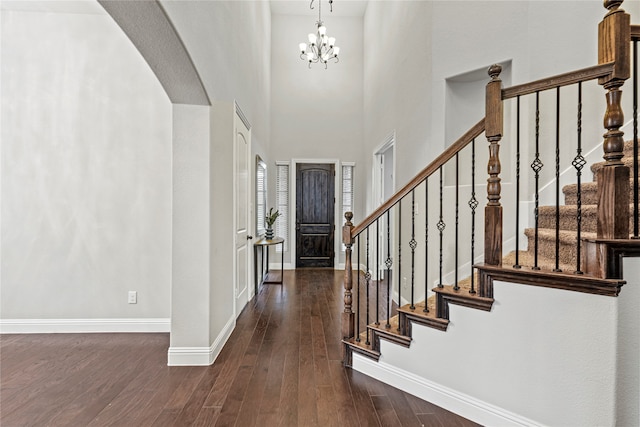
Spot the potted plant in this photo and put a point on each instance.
(270, 219)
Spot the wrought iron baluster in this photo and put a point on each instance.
(517, 264)
(377, 272)
(399, 257)
(536, 165)
(358, 294)
(413, 244)
(426, 245)
(455, 271)
(367, 276)
(578, 163)
(473, 204)
(557, 269)
(388, 262)
(635, 140)
(441, 226)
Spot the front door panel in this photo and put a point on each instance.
(315, 204)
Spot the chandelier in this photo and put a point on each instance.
(321, 48)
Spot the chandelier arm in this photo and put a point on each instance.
(311, 4)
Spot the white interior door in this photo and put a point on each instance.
(384, 165)
(242, 151)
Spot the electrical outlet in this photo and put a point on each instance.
(133, 297)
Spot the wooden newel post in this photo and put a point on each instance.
(348, 318)
(493, 131)
(614, 35)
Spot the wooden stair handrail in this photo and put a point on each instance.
(432, 167)
(635, 32)
(564, 79)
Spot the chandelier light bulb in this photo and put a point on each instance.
(332, 41)
(312, 38)
(322, 30)
(336, 51)
(303, 47)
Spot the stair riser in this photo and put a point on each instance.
(628, 148)
(627, 161)
(568, 221)
(546, 251)
(589, 194)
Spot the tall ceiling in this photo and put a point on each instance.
(278, 7)
(301, 7)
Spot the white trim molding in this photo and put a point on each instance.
(52, 326)
(452, 400)
(201, 356)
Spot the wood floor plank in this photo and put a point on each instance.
(280, 367)
(251, 400)
(345, 410)
(385, 411)
(362, 400)
(402, 408)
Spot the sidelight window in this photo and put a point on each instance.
(261, 195)
(347, 191)
(282, 204)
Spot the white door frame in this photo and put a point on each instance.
(376, 187)
(240, 118)
(338, 222)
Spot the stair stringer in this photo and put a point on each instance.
(541, 356)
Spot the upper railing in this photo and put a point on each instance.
(613, 69)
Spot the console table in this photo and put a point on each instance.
(263, 244)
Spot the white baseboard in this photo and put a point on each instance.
(452, 400)
(275, 266)
(201, 356)
(53, 326)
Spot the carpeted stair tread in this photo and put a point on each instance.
(546, 244)
(526, 261)
(392, 329)
(568, 215)
(362, 347)
(589, 193)
(627, 161)
(419, 308)
(628, 148)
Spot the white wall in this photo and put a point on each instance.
(426, 43)
(397, 85)
(230, 46)
(86, 174)
(540, 357)
(317, 113)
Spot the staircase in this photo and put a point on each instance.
(576, 247)
(434, 313)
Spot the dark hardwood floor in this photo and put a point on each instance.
(281, 367)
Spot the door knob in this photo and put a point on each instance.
(249, 237)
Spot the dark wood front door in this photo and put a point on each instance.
(315, 203)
